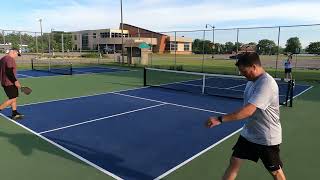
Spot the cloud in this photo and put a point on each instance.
(217, 13)
(164, 15)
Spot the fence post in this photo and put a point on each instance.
(175, 49)
(204, 36)
(36, 42)
(278, 51)
(62, 45)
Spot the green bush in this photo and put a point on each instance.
(90, 55)
(179, 68)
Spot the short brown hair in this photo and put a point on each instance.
(248, 59)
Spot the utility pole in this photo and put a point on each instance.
(212, 26)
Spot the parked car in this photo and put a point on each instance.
(234, 56)
(107, 50)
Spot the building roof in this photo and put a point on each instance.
(142, 29)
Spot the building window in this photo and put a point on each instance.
(75, 37)
(85, 41)
(186, 46)
(113, 35)
(102, 35)
(94, 35)
(173, 46)
(167, 46)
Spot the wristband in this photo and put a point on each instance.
(220, 119)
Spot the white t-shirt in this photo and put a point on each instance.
(287, 64)
(263, 127)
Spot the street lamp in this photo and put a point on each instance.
(212, 26)
(122, 55)
(40, 21)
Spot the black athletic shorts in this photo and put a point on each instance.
(269, 155)
(11, 91)
(287, 70)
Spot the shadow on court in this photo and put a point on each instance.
(28, 143)
(112, 163)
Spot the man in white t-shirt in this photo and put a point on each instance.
(261, 136)
(288, 68)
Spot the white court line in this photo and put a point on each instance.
(25, 75)
(303, 92)
(221, 88)
(102, 70)
(207, 149)
(189, 107)
(213, 87)
(79, 97)
(235, 86)
(103, 118)
(82, 74)
(92, 164)
(98, 67)
(103, 170)
(197, 155)
(65, 149)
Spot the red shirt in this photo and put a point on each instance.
(5, 63)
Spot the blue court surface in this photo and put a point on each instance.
(75, 71)
(143, 133)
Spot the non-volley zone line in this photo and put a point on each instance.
(99, 119)
(161, 103)
(63, 148)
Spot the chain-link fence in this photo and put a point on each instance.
(56, 46)
(211, 50)
(214, 50)
(28, 42)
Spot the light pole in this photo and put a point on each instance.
(122, 55)
(212, 26)
(270, 48)
(51, 48)
(4, 37)
(40, 21)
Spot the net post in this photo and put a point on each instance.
(287, 93)
(71, 69)
(291, 92)
(144, 76)
(32, 64)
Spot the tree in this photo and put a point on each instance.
(56, 42)
(197, 46)
(252, 43)
(218, 48)
(207, 47)
(229, 46)
(237, 46)
(292, 45)
(313, 48)
(266, 46)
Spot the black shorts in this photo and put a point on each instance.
(287, 70)
(11, 91)
(269, 155)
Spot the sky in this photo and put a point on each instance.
(161, 15)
